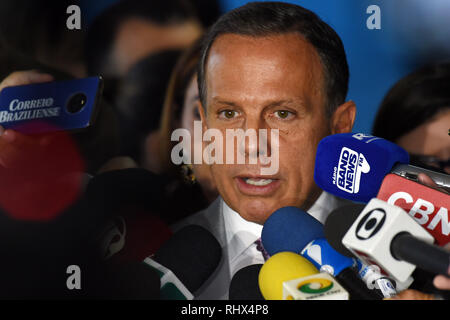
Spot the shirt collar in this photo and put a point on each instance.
(323, 206)
(240, 233)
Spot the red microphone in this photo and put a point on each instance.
(426, 205)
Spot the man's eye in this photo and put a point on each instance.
(283, 114)
(228, 114)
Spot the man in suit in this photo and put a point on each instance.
(268, 65)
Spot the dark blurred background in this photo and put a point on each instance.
(413, 33)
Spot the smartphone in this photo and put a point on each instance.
(412, 172)
(70, 105)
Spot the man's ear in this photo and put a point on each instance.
(343, 118)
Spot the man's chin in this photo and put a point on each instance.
(256, 211)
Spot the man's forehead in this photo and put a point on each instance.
(291, 45)
(279, 63)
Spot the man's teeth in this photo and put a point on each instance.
(258, 182)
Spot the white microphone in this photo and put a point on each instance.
(387, 236)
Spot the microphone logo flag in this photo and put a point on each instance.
(348, 174)
(315, 285)
(319, 286)
(314, 252)
(370, 224)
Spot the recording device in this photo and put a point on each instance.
(69, 105)
(289, 276)
(289, 229)
(185, 262)
(387, 236)
(426, 205)
(353, 165)
(244, 284)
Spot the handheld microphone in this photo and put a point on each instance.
(386, 235)
(191, 255)
(427, 206)
(244, 285)
(286, 276)
(289, 229)
(352, 166)
(336, 226)
(328, 260)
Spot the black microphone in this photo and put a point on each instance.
(337, 224)
(428, 257)
(245, 285)
(192, 254)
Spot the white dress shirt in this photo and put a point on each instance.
(240, 249)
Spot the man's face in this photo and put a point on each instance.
(268, 83)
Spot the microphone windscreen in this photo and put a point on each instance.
(337, 224)
(352, 166)
(244, 285)
(289, 229)
(192, 254)
(281, 267)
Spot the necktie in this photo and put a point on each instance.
(261, 249)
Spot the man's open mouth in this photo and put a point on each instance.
(257, 181)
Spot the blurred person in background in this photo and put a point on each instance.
(139, 104)
(415, 114)
(130, 30)
(180, 111)
(35, 33)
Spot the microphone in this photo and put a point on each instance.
(328, 260)
(289, 229)
(426, 205)
(244, 285)
(186, 261)
(352, 166)
(292, 229)
(386, 235)
(289, 276)
(336, 226)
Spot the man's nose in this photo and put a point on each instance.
(255, 144)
